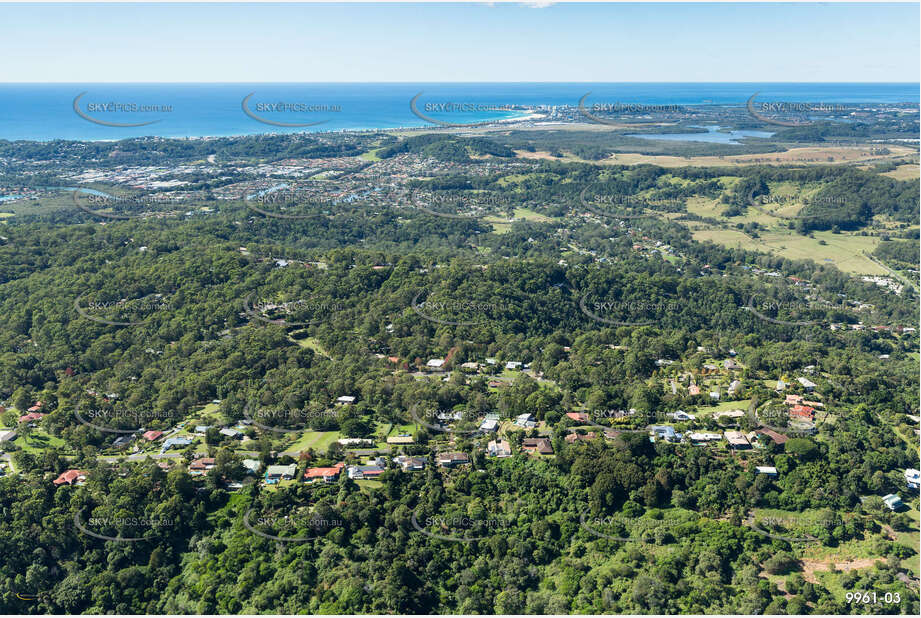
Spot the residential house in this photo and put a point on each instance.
(781, 385)
(525, 420)
(769, 470)
(435, 364)
(400, 439)
(7, 435)
(488, 425)
(252, 466)
(449, 460)
(714, 395)
(177, 442)
(344, 399)
(663, 432)
(201, 429)
(578, 437)
(499, 448)
(201, 466)
(513, 365)
(734, 387)
(693, 389)
(681, 415)
(539, 445)
(469, 367)
(326, 475)
(737, 440)
(913, 478)
(804, 412)
(777, 438)
(410, 464)
(807, 384)
(893, 502)
(71, 477)
(231, 433)
(355, 441)
(364, 472)
(579, 417)
(731, 365)
(702, 437)
(274, 474)
(792, 400)
(152, 435)
(31, 416)
(732, 414)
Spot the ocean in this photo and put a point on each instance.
(45, 112)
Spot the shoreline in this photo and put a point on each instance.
(526, 116)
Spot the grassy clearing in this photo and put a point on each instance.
(723, 406)
(810, 155)
(312, 343)
(318, 440)
(844, 251)
(909, 171)
(401, 429)
(39, 442)
(530, 215)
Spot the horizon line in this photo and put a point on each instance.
(455, 82)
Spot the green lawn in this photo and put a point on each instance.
(844, 251)
(371, 155)
(313, 344)
(318, 440)
(529, 215)
(38, 441)
(723, 405)
(400, 429)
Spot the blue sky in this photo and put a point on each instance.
(459, 42)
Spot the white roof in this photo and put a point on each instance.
(345, 399)
(435, 362)
(766, 469)
(805, 382)
(703, 435)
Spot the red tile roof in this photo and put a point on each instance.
(69, 477)
(202, 463)
(152, 435)
(321, 473)
(803, 411)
